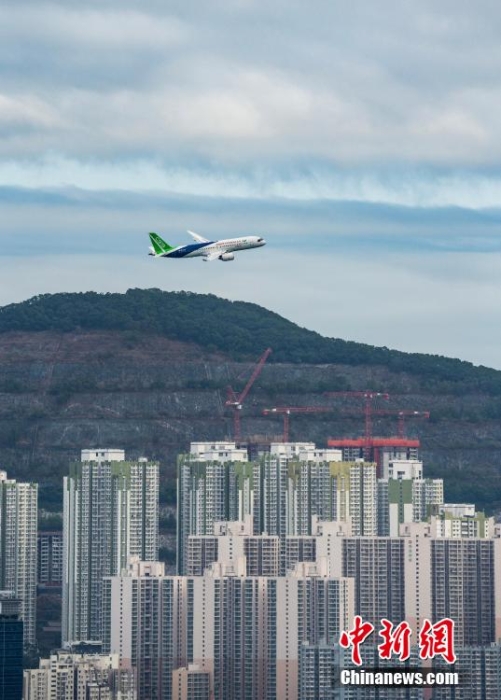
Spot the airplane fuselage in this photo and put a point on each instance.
(228, 245)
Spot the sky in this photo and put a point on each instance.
(361, 140)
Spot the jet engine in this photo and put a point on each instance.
(227, 256)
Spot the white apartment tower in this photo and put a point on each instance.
(214, 484)
(73, 676)
(281, 490)
(405, 497)
(110, 513)
(231, 542)
(18, 547)
(244, 631)
(192, 683)
(248, 630)
(354, 495)
(147, 617)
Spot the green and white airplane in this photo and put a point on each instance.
(208, 250)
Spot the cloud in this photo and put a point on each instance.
(243, 83)
(75, 221)
(319, 181)
(361, 139)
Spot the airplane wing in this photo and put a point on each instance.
(212, 256)
(197, 237)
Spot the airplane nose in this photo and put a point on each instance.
(261, 241)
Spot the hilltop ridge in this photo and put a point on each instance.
(147, 371)
(237, 328)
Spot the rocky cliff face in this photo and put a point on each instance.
(60, 392)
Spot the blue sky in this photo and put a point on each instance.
(362, 140)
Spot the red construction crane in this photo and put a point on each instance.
(287, 410)
(369, 397)
(372, 446)
(402, 415)
(236, 402)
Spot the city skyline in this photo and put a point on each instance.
(360, 141)
(215, 627)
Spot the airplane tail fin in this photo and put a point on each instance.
(159, 245)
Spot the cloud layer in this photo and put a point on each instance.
(414, 82)
(361, 139)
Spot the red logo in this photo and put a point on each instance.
(434, 640)
(355, 638)
(395, 641)
(437, 640)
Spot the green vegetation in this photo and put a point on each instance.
(50, 521)
(52, 404)
(238, 329)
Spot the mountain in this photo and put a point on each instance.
(238, 328)
(147, 371)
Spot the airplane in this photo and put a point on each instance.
(208, 250)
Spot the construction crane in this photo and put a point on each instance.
(236, 401)
(369, 397)
(286, 412)
(402, 415)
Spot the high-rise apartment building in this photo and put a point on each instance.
(298, 549)
(321, 666)
(319, 680)
(252, 647)
(11, 647)
(50, 558)
(479, 669)
(72, 676)
(356, 495)
(463, 583)
(110, 513)
(233, 541)
(455, 578)
(245, 631)
(416, 576)
(461, 520)
(311, 489)
(282, 490)
(214, 485)
(377, 566)
(191, 683)
(331, 491)
(18, 547)
(270, 494)
(405, 497)
(372, 661)
(147, 621)
(403, 553)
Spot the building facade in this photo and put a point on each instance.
(245, 631)
(406, 498)
(18, 547)
(282, 490)
(214, 484)
(71, 676)
(11, 647)
(110, 513)
(191, 683)
(233, 541)
(147, 618)
(50, 558)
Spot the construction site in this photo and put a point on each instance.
(366, 404)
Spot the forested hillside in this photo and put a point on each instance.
(238, 329)
(147, 371)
